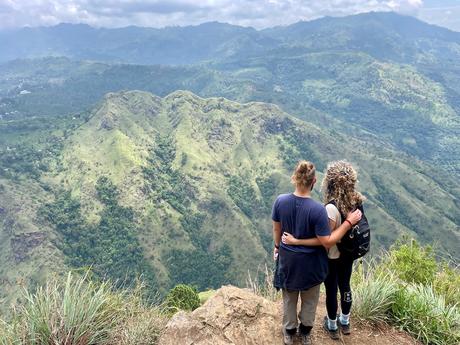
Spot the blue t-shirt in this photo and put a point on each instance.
(302, 217)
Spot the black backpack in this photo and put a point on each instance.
(357, 241)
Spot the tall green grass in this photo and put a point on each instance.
(81, 312)
(411, 291)
(77, 313)
(374, 292)
(424, 314)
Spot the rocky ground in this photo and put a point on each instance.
(235, 316)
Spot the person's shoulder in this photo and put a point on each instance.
(316, 207)
(331, 207)
(283, 197)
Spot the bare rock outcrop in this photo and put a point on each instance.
(232, 316)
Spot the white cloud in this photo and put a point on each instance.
(158, 13)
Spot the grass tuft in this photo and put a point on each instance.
(262, 284)
(373, 292)
(78, 311)
(424, 314)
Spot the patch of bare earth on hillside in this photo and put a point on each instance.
(236, 316)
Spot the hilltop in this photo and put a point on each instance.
(236, 316)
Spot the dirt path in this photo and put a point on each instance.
(361, 334)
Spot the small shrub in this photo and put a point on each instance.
(413, 263)
(141, 328)
(425, 315)
(142, 322)
(182, 297)
(447, 284)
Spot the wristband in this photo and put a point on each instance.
(351, 225)
(277, 247)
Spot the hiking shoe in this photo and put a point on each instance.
(333, 333)
(288, 339)
(306, 339)
(345, 328)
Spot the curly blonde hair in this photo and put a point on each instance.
(339, 184)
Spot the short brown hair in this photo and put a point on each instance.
(304, 174)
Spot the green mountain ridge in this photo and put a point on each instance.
(199, 177)
(350, 92)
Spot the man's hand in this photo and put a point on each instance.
(287, 238)
(275, 253)
(354, 217)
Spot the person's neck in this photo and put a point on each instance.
(302, 192)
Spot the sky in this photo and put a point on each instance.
(255, 13)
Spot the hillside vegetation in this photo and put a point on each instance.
(165, 186)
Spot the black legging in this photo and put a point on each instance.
(338, 277)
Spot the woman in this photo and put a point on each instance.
(303, 267)
(340, 197)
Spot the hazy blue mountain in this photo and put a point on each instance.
(172, 45)
(382, 35)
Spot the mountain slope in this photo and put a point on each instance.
(382, 35)
(350, 92)
(166, 186)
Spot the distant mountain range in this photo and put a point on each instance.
(384, 35)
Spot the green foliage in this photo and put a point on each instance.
(420, 311)
(21, 158)
(268, 187)
(447, 284)
(373, 293)
(78, 311)
(417, 296)
(413, 263)
(163, 181)
(182, 297)
(107, 192)
(296, 146)
(192, 223)
(110, 247)
(166, 183)
(243, 195)
(193, 266)
(201, 268)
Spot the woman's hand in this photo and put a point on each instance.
(354, 217)
(287, 238)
